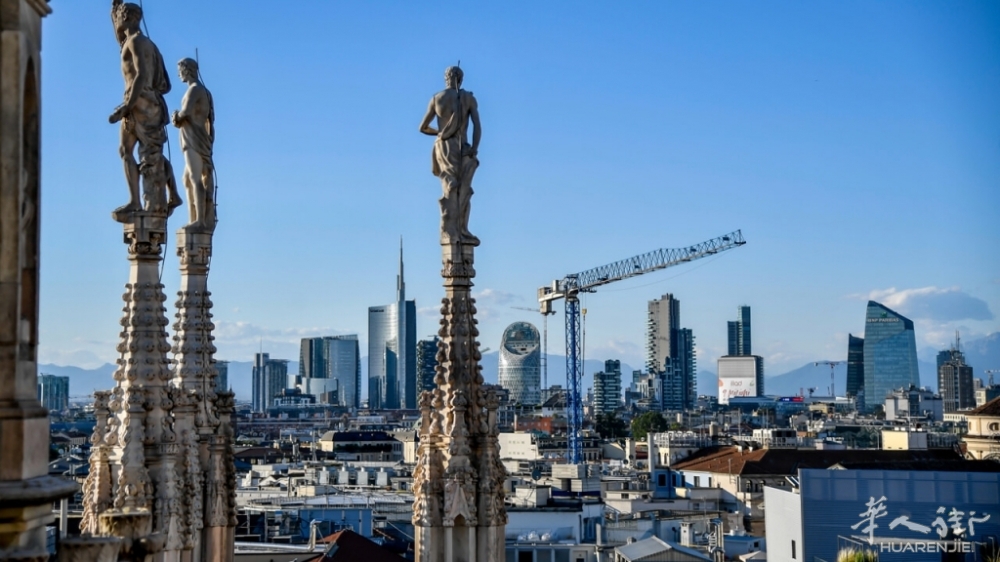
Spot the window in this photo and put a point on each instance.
(661, 479)
(793, 549)
(995, 426)
(697, 481)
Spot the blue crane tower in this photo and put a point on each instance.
(572, 285)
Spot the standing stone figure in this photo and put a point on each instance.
(196, 121)
(454, 159)
(143, 115)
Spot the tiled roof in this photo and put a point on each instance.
(991, 408)
(729, 460)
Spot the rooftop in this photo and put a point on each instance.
(730, 460)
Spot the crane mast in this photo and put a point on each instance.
(569, 288)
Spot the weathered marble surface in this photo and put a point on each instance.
(453, 159)
(143, 116)
(196, 121)
(458, 510)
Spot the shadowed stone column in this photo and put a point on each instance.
(26, 489)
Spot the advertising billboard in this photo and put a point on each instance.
(735, 387)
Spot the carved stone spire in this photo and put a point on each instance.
(133, 492)
(458, 483)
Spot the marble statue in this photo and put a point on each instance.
(143, 116)
(454, 160)
(196, 121)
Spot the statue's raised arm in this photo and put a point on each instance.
(453, 159)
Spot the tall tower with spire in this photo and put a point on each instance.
(392, 350)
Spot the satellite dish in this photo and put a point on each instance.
(536, 473)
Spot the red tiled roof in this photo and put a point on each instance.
(991, 408)
(729, 460)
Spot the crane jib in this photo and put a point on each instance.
(585, 282)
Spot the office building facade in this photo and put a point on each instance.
(427, 363)
(392, 351)
(739, 333)
(890, 354)
(222, 375)
(670, 354)
(520, 369)
(608, 387)
(53, 392)
(270, 378)
(330, 369)
(855, 366)
(955, 383)
(663, 319)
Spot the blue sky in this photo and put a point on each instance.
(856, 144)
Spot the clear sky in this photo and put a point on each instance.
(856, 144)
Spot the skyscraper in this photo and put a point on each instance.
(53, 392)
(521, 363)
(330, 369)
(955, 380)
(670, 354)
(608, 387)
(427, 363)
(222, 382)
(270, 378)
(343, 354)
(664, 317)
(855, 366)
(739, 333)
(392, 350)
(890, 353)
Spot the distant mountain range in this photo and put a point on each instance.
(981, 354)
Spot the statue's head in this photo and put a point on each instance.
(453, 76)
(129, 16)
(187, 68)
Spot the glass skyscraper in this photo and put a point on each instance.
(855, 365)
(53, 392)
(392, 351)
(427, 363)
(521, 363)
(330, 366)
(890, 352)
(739, 333)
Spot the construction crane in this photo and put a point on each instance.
(832, 365)
(571, 286)
(991, 372)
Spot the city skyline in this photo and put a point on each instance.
(813, 156)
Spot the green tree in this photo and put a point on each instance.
(648, 422)
(610, 426)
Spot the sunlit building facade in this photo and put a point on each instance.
(521, 363)
(890, 353)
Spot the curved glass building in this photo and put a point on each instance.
(521, 363)
(890, 354)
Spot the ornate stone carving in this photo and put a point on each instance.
(458, 480)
